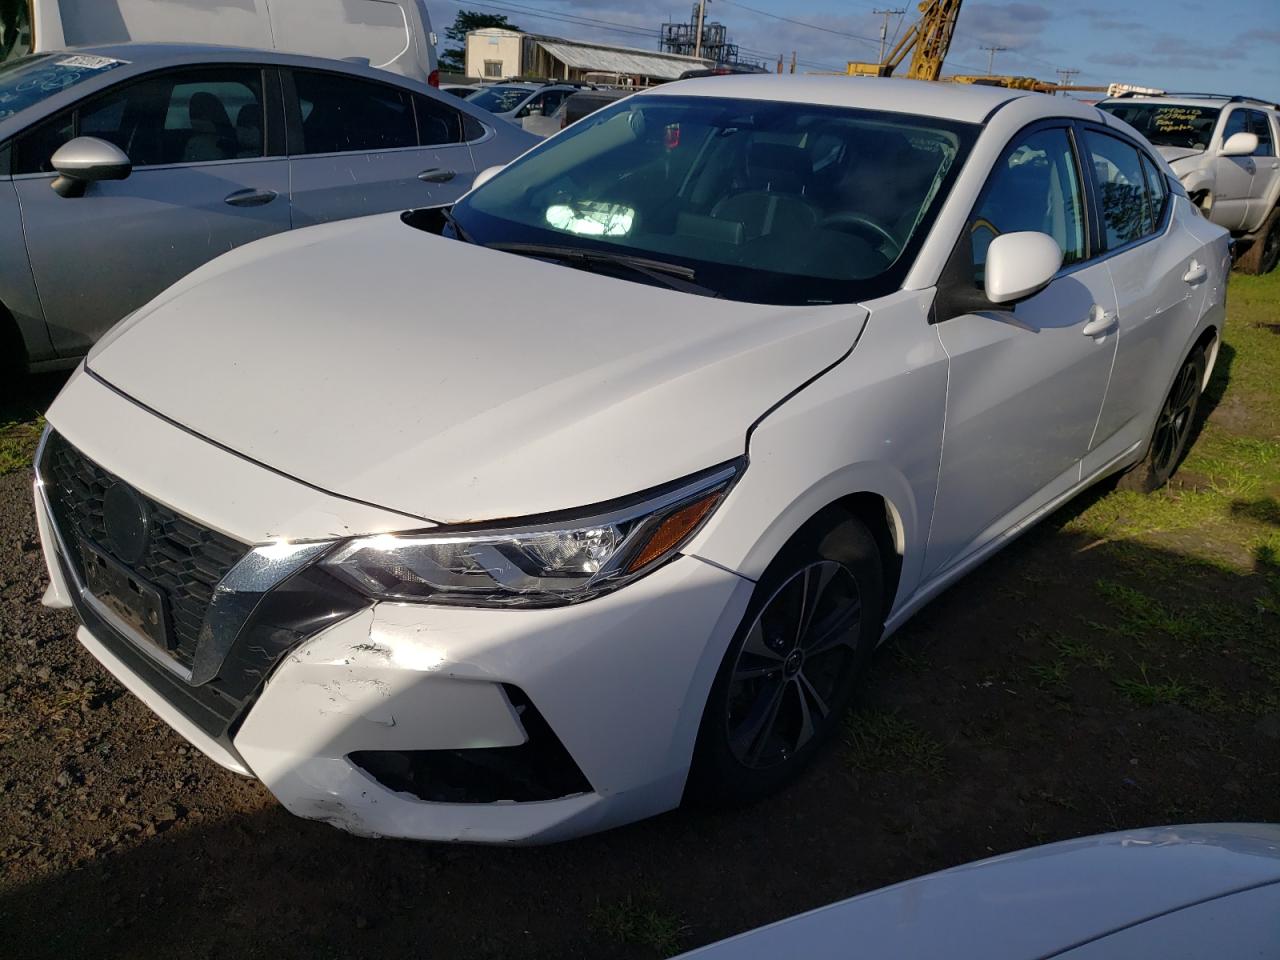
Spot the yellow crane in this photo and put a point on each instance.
(927, 41)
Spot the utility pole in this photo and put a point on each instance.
(793, 61)
(779, 64)
(884, 27)
(702, 15)
(991, 59)
(1066, 76)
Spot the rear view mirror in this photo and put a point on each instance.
(86, 160)
(1240, 145)
(1020, 265)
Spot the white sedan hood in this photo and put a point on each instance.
(456, 383)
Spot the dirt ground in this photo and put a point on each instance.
(1117, 667)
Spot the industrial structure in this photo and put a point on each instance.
(495, 53)
(928, 41)
(699, 37)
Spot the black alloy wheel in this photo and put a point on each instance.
(788, 670)
(1175, 426)
(789, 674)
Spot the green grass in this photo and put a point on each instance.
(1228, 488)
(18, 440)
(882, 741)
(642, 921)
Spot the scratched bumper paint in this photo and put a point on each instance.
(611, 677)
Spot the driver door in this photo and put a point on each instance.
(202, 184)
(1026, 382)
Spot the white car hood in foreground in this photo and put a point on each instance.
(1045, 901)
(455, 383)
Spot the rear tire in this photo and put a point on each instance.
(788, 676)
(1263, 254)
(1175, 425)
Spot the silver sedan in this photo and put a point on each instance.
(124, 168)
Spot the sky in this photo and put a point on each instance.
(1157, 43)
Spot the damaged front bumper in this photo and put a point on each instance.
(419, 721)
(411, 721)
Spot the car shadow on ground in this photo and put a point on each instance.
(1020, 707)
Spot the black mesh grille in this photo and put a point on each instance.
(182, 559)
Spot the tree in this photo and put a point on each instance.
(454, 59)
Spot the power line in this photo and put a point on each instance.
(509, 6)
(802, 23)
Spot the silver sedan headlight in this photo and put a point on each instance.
(543, 564)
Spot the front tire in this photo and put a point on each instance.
(790, 672)
(1175, 424)
(1264, 253)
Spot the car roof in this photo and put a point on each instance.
(1191, 100)
(151, 55)
(968, 103)
(138, 58)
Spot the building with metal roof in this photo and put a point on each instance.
(496, 53)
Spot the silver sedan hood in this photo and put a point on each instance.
(456, 383)
(1042, 902)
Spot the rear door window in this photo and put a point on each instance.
(341, 114)
(1258, 124)
(1123, 200)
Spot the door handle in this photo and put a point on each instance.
(1101, 323)
(250, 197)
(437, 175)
(1197, 273)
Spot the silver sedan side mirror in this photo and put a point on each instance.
(1020, 265)
(86, 160)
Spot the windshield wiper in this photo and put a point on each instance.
(671, 275)
(458, 231)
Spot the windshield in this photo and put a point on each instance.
(1168, 125)
(499, 99)
(28, 80)
(767, 202)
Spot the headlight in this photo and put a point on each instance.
(542, 564)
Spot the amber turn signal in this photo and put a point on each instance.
(673, 530)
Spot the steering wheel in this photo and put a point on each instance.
(856, 223)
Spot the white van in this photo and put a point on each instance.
(394, 35)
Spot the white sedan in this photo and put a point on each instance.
(533, 518)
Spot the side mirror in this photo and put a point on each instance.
(1020, 265)
(86, 160)
(487, 174)
(1239, 145)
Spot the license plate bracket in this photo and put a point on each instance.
(140, 605)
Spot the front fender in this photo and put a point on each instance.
(871, 424)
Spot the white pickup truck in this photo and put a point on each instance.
(1226, 151)
(392, 34)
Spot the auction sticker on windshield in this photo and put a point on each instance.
(87, 62)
